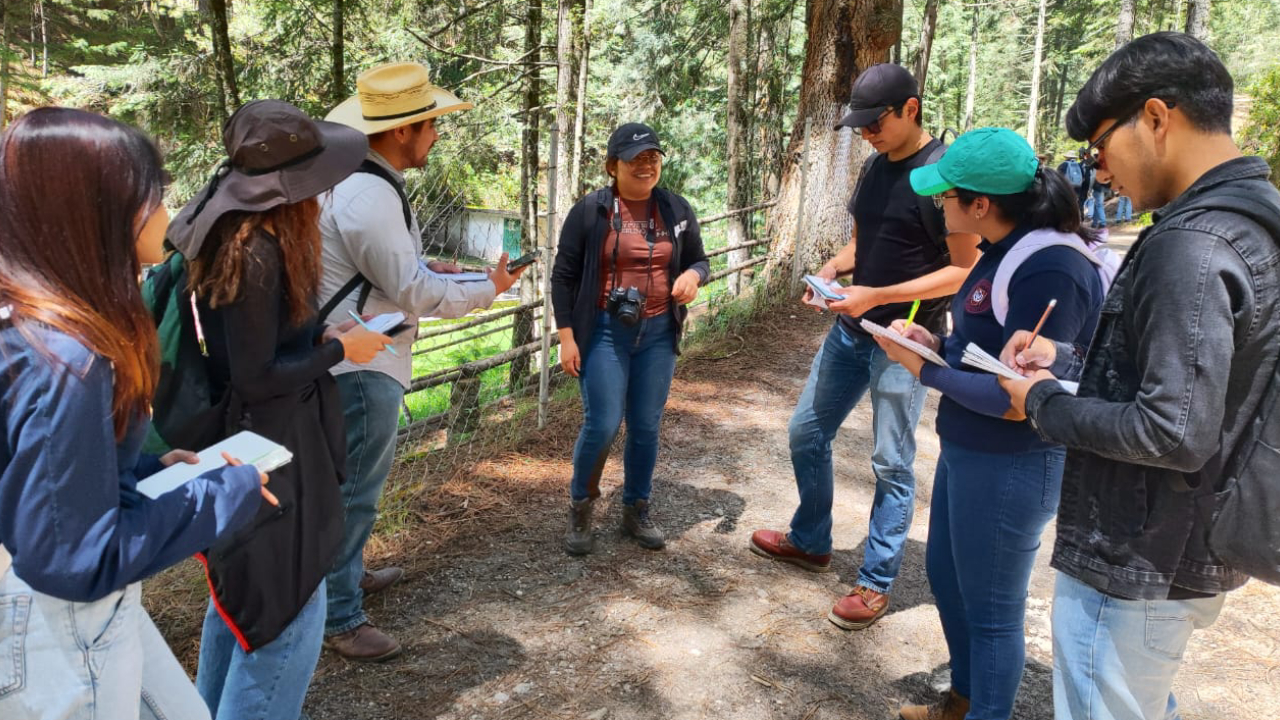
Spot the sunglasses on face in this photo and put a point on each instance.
(873, 127)
(939, 201)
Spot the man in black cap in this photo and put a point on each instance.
(900, 252)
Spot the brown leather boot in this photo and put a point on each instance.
(366, 643)
(859, 609)
(775, 546)
(950, 706)
(578, 539)
(379, 580)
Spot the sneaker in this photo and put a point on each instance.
(637, 524)
(365, 643)
(950, 706)
(859, 609)
(578, 540)
(379, 580)
(775, 546)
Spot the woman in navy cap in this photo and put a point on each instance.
(630, 260)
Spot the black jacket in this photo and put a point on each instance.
(264, 574)
(575, 278)
(1184, 349)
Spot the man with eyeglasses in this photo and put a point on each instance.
(1189, 335)
(900, 252)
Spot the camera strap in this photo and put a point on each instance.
(651, 237)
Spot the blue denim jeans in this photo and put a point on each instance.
(371, 411)
(269, 683)
(1099, 218)
(1115, 659)
(627, 372)
(82, 661)
(984, 530)
(1124, 209)
(846, 366)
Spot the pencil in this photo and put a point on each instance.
(912, 315)
(1040, 324)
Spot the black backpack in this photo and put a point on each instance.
(360, 281)
(930, 215)
(1245, 533)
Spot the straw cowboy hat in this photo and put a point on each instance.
(389, 96)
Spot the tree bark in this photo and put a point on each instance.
(522, 333)
(567, 101)
(927, 29)
(1124, 25)
(973, 73)
(4, 63)
(44, 43)
(1033, 107)
(844, 37)
(338, 91)
(222, 52)
(579, 122)
(1198, 19)
(737, 128)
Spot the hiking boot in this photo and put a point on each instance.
(775, 545)
(366, 643)
(950, 706)
(578, 540)
(636, 523)
(379, 580)
(859, 609)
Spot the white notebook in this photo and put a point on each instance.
(912, 345)
(385, 321)
(250, 448)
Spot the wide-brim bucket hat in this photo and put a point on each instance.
(276, 155)
(392, 95)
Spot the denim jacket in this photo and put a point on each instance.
(1186, 344)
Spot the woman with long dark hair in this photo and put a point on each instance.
(80, 208)
(997, 482)
(252, 243)
(630, 260)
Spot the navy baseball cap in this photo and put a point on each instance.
(631, 139)
(877, 89)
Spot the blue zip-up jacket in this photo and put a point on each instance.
(70, 513)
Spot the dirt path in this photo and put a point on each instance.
(499, 623)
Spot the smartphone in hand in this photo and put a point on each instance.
(522, 261)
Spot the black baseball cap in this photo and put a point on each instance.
(631, 139)
(877, 89)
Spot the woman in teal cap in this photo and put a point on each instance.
(997, 482)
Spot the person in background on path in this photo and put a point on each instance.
(1183, 356)
(76, 380)
(900, 251)
(1124, 209)
(372, 246)
(1098, 188)
(1073, 170)
(629, 263)
(996, 484)
(252, 243)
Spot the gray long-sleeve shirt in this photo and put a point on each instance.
(362, 228)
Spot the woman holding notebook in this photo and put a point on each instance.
(77, 371)
(997, 482)
(252, 243)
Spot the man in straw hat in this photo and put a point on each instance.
(372, 249)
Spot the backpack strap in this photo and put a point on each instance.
(1102, 258)
(359, 280)
(930, 216)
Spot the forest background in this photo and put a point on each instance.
(727, 83)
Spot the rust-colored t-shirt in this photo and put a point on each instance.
(634, 266)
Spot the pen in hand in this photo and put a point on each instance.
(360, 320)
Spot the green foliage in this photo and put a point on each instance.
(1261, 134)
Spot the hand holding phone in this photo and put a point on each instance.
(522, 261)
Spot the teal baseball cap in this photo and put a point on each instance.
(992, 161)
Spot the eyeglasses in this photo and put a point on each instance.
(940, 200)
(873, 127)
(1122, 120)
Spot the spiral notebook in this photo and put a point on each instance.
(912, 345)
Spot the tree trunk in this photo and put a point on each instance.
(4, 63)
(338, 79)
(844, 37)
(222, 52)
(927, 28)
(736, 131)
(529, 139)
(973, 73)
(567, 28)
(1124, 25)
(1198, 19)
(579, 122)
(1033, 109)
(44, 43)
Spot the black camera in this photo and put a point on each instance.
(625, 305)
